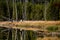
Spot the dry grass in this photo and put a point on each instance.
(33, 23)
(49, 38)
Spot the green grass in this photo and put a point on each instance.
(52, 28)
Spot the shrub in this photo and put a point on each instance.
(52, 28)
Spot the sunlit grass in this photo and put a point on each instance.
(33, 24)
(49, 38)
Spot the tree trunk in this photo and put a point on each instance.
(24, 9)
(16, 10)
(8, 8)
(45, 11)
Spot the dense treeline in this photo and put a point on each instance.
(30, 9)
